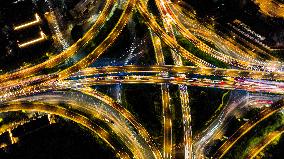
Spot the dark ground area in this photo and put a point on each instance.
(63, 140)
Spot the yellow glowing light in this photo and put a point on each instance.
(41, 38)
(34, 22)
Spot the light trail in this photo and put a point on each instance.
(23, 86)
(246, 55)
(265, 142)
(271, 7)
(226, 45)
(92, 107)
(167, 122)
(108, 41)
(186, 116)
(145, 138)
(151, 22)
(158, 49)
(63, 55)
(214, 130)
(65, 113)
(243, 84)
(233, 73)
(106, 99)
(246, 127)
(101, 48)
(236, 103)
(194, 82)
(184, 97)
(202, 46)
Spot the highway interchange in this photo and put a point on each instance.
(72, 85)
